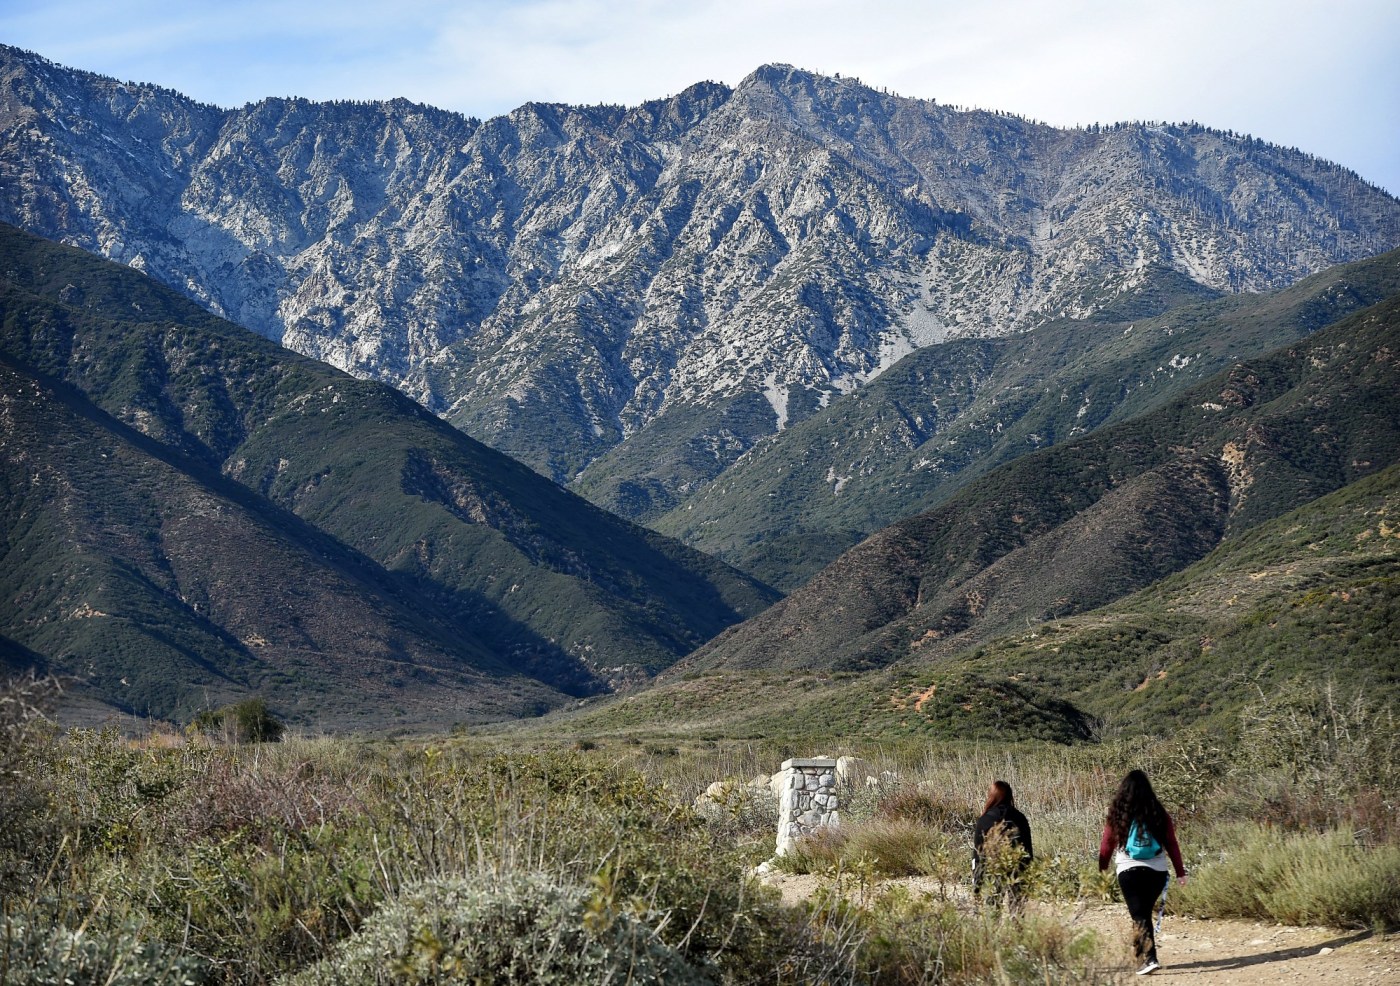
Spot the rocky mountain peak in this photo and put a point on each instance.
(631, 298)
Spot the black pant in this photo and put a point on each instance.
(1142, 885)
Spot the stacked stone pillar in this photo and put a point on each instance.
(807, 799)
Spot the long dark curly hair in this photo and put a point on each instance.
(1136, 802)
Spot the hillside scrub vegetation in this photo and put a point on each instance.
(171, 859)
(1266, 614)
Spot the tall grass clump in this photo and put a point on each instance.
(899, 938)
(874, 848)
(29, 831)
(1325, 878)
(1314, 757)
(924, 807)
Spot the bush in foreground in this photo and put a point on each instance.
(526, 928)
(249, 721)
(92, 955)
(1298, 878)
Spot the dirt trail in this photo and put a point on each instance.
(1246, 953)
(1208, 953)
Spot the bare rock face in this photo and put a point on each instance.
(706, 269)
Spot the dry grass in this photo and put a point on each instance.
(253, 862)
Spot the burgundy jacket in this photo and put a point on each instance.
(1107, 846)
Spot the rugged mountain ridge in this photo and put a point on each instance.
(697, 272)
(190, 506)
(1069, 528)
(948, 414)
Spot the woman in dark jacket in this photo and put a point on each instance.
(1001, 816)
(1139, 837)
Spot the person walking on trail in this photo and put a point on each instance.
(1139, 837)
(1001, 825)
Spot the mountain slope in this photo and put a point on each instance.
(1078, 525)
(1292, 608)
(547, 584)
(163, 590)
(688, 275)
(947, 414)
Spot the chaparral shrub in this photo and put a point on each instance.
(519, 929)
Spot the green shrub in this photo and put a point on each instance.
(525, 928)
(740, 810)
(904, 939)
(1062, 876)
(115, 793)
(256, 910)
(1297, 878)
(40, 951)
(1002, 865)
(249, 721)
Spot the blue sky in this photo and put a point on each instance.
(1320, 75)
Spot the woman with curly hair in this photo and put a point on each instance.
(1138, 837)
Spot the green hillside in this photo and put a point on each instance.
(1309, 599)
(1292, 606)
(947, 414)
(547, 585)
(164, 589)
(1078, 525)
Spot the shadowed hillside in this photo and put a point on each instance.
(522, 576)
(164, 588)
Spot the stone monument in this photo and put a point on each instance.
(807, 799)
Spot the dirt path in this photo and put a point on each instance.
(1246, 953)
(1208, 953)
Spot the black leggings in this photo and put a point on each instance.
(1142, 885)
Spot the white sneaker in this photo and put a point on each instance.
(1151, 965)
